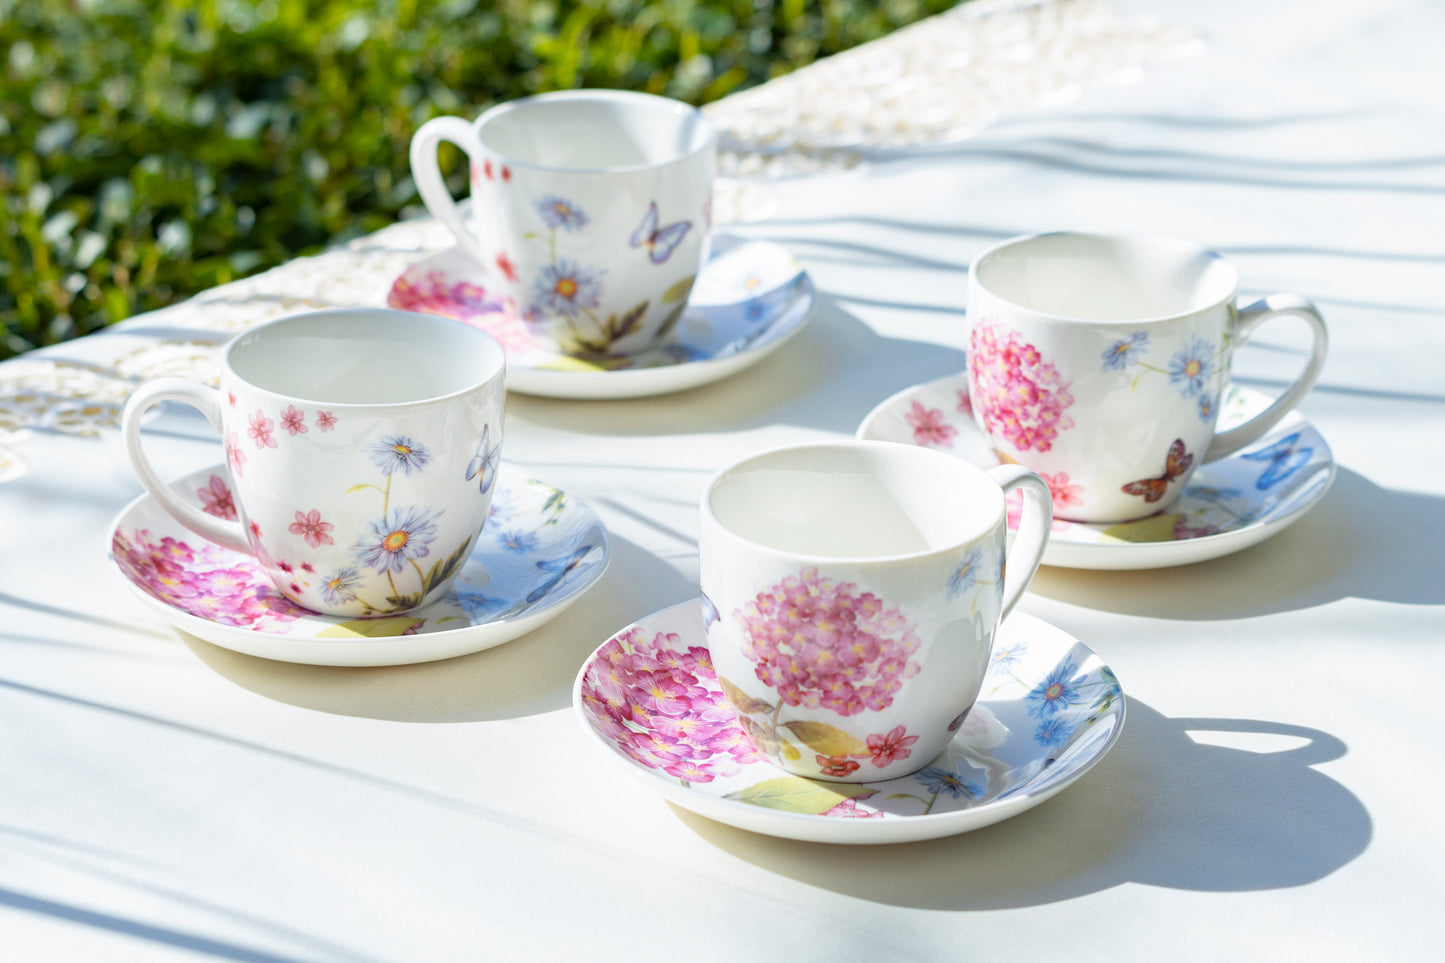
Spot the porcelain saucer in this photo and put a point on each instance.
(1230, 504)
(539, 551)
(749, 299)
(1011, 753)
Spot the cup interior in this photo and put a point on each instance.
(1099, 277)
(855, 500)
(591, 130)
(365, 357)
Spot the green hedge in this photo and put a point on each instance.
(151, 149)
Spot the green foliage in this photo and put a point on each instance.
(150, 149)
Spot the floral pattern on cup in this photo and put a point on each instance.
(537, 546)
(1040, 700)
(1016, 393)
(1196, 370)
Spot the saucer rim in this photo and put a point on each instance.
(661, 379)
(1129, 556)
(806, 827)
(360, 651)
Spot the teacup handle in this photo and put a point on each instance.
(208, 400)
(1035, 524)
(1228, 442)
(427, 173)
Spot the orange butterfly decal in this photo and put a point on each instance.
(1175, 465)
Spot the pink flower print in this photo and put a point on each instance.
(294, 421)
(1183, 531)
(260, 430)
(1065, 493)
(964, 405)
(836, 765)
(887, 748)
(848, 809)
(1014, 501)
(505, 265)
(826, 644)
(216, 499)
(235, 457)
(1018, 397)
(231, 398)
(313, 529)
(325, 420)
(929, 428)
(255, 530)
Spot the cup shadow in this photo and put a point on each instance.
(1360, 541)
(527, 676)
(800, 384)
(1162, 809)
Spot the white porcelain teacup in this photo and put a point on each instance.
(362, 445)
(1100, 361)
(851, 592)
(590, 211)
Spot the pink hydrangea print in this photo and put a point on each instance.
(310, 526)
(826, 644)
(294, 421)
(662, 706)
(216, 499)
(1016, 394)
(929, 428)
(466, 302)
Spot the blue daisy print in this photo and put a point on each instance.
(566, 288)
(1125, 352)
(1056, 693)
(965, 576)
(1208, 407)
(403, 534)
(340, 587)
(558, 212)
(1189, 370)
(518, 541)
(1007, 657)
(943, 782)
(397, 452)
(1053, 732)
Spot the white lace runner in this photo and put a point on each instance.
(937, 81)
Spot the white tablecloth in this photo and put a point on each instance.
(1273, 795)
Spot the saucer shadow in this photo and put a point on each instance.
(1360, 541)
(527, 676)
(1161, 809)
(799, 384)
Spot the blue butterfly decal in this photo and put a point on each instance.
(659, 241)
(1285, 457)
(559, 568)
(485, 464)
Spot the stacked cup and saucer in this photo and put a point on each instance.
(848, 675)
(588, 248)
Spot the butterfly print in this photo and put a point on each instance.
(659, 241)
(486, 461)
(1176, 465)
(559, 567)
(1285, 457)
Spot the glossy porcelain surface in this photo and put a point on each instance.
(1048, 711)
(751, 297)
(539, 551)
(852, 591)
(1106, 358)
(590, 211)
(1228, 505)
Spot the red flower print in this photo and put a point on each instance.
(255, 530)
(505, 265)
(231, 398)
(506, 173)
(310, 525)
(836, 765)
(293, 421)
(260, 430)
(929, 427)
(487, 169)
(325, 420)
(887, 748)
(216, 499)
(287, 567)
(234, 455)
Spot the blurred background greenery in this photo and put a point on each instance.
(150, 149)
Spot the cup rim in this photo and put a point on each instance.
(492, 346)
(1127, 236)
(497, 110)
(893, 449)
